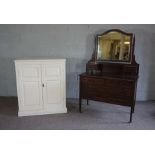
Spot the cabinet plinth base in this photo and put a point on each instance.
(41, 112)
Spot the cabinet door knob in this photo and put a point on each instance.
(42, 85)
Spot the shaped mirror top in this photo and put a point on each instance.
(114, 46)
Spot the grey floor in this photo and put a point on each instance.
(96, 115)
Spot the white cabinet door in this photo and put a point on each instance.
(30, 87)
(54, 90)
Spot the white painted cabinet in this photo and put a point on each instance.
(41, 86)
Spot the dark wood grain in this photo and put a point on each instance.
(114, 83)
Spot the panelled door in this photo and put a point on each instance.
(30, 87)
(53, 85)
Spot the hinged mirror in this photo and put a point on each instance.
(114, 46)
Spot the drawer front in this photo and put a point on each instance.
(108, 90)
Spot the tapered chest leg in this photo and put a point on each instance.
(131, 112)
(87, 102)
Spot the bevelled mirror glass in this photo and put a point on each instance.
(114, 46)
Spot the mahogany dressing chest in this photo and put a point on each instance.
(112, 73)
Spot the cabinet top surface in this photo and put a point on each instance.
(38, 60)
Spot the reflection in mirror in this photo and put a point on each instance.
(114, 46)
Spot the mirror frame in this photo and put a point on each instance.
(132, 43)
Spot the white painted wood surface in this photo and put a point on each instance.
(41, 86)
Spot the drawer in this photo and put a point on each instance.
(107, 90)
(120, 93)
(114, 89)
(105, 97)
(108, 82)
